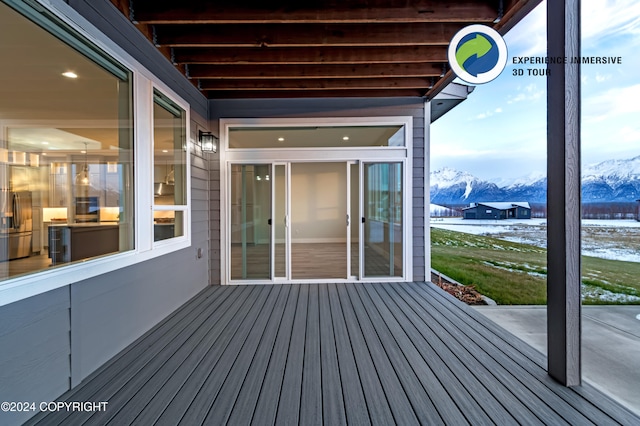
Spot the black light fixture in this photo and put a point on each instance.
(208, 142)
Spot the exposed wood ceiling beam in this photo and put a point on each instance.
(247, 94)
(322, 55)
(297, 35)
(318, 48)
(301, 12)
(317, 84)
(197, 71)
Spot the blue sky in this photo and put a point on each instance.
(499, 132)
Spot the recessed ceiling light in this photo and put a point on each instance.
(280, 139)
(70, 74)
(164, 150)
(83, 152)
(345, 138)
(45, 143)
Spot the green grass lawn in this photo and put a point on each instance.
(515, 274)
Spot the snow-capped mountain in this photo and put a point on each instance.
(612, 180)
(449, 186)
(609, 181)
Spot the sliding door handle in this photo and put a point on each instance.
(363, 219)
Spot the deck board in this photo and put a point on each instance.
(404, 353)
(355, 405)
(333, 411)
(527, 380)
(176, 380)
(289, 402)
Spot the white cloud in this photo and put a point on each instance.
(602, 78)
(611, 103)
(447, 150)
(530, 93)
(488, 114)
(603, 19)
(529, 36)
(629, 134)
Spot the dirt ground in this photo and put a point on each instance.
(467, 294)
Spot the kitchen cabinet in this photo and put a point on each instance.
(71, 242)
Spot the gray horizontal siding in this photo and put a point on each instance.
(348, 107)
(52, 341)
(34, 351)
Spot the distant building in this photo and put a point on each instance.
(503, 210)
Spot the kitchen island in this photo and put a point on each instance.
(76, 241)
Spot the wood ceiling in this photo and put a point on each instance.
(314, 48)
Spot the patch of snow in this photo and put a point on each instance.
(467, 191)
(534, 232)
(606, 295)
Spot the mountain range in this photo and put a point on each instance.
(606, 182)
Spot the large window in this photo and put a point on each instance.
(66, 149)
(70, 184)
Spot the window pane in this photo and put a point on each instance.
(316, 137)
(66, 151)
(169, 167)
(167, 224)
(169, 154)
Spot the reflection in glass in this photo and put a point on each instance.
(57, 128)
(250, 214)
(383, 230)
(279, 220)
(169, 167)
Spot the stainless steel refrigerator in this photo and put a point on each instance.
(16, 224)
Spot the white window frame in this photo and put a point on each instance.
(184, 208)
(144, 81)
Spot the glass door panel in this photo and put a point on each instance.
(319, 220)
(250, 214)
(280, 217)
(383, 227)
(354, 201)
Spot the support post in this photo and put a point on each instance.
(563, 194)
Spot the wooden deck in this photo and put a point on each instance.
(332, 354)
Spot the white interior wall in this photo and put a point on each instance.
(319, 202)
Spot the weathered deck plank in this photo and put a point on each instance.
(331, 354)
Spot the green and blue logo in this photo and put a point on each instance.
(477, 54)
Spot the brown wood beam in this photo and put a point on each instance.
(371, 11)
(266, 94)
(305, 35)
(317, 84)
(322, 55)
(198, 71)
(122, 6)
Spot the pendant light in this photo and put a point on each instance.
(82, 178)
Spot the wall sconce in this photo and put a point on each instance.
(208, 142)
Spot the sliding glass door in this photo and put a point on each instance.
(320, 221)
